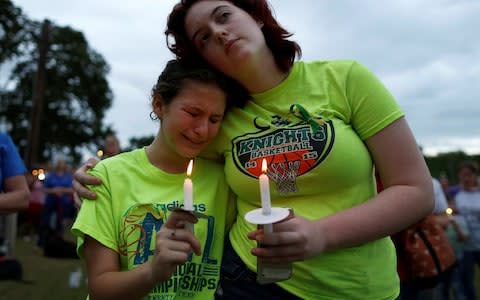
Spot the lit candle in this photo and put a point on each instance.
(265, 196)
(265, 190)
(188, 189)
(188, 194)
(449, 211)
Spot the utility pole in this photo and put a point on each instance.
(38, 96)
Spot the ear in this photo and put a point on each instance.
(260, 24)
(158, 106)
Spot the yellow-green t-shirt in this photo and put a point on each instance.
(132, 205)
(318, 165)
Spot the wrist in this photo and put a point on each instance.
(148, 274)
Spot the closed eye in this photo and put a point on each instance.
(204, 38)
(223, 17)
(215, 120)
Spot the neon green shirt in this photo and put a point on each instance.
(133, 204)
(318, 165)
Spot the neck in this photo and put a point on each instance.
(263, 75)
(163, 161)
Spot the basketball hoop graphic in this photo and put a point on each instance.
(290, 151)
(284, 175)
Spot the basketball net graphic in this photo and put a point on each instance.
(284, 175)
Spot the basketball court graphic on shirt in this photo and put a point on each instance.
(290, 151)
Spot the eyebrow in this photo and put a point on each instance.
(214, 11)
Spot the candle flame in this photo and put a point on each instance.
(449, 211)
(190, 167)
(264, 166)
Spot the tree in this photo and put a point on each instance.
(76, 93)
(446, 164)
(12, 30)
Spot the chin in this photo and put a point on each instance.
(191, 153)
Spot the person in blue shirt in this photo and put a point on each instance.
(14, 192)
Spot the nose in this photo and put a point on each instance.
(220, 33)
(201, 128)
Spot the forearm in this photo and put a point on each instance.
(14, 201)
(132, 284)
(389, 212)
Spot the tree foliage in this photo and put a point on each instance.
(139, 142)
(446, 164)
(12, 30)
(76, 94)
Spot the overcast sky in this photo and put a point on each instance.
(427, 52)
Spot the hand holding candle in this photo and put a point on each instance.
(449, 213)
(266, 216)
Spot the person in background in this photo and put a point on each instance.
(133, 245)
(36, 204)
(14, 196)
(457, 233)
(111, 147)
(445, 183)
(14, 193)
(59, 204)
(409, 290)
(322, 127)
(467, 204)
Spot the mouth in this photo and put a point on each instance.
(229, 44)
(195, 142)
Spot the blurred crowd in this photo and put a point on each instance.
(40, 205)
(457, 212)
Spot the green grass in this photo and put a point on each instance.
(49, 277)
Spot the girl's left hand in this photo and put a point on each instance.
(294, 239)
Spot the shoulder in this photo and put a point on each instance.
(338, 64)
(340, 71)
(121, 160)
(436, 184)
(6, 140)
(3, 137)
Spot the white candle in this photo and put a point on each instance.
(188, 194)
(265, 195)
(265, 190)
(188, 189)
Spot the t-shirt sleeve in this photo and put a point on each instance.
(95, 217)
(11, 162)
(372, 106)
